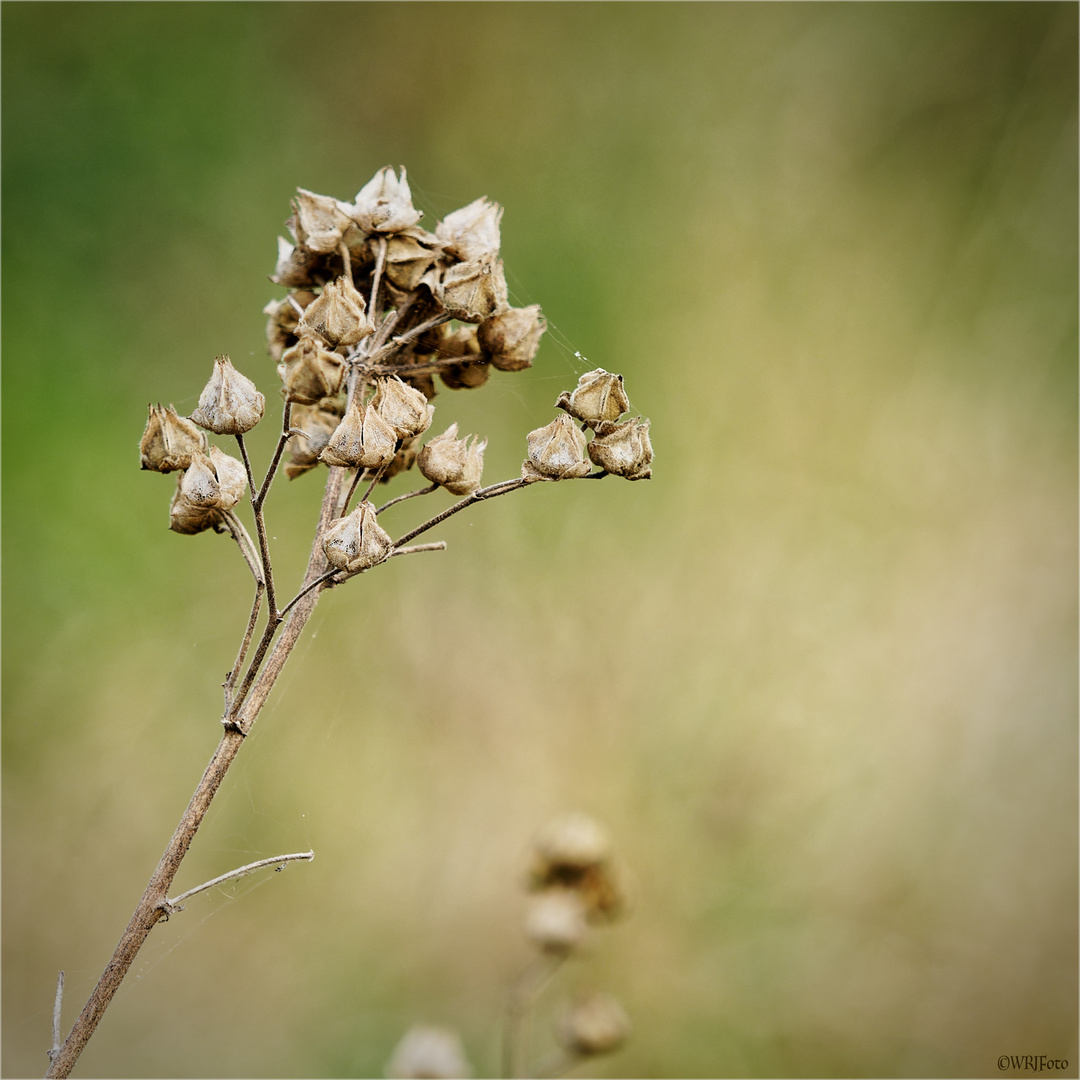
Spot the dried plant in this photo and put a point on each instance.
(376, 307)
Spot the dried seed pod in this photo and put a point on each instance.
(315, 426)
(187, 518)
(384, 203)
(409, 254)
(453, 463)
(556, 452)
(404, 408)
(598, 399)
(473, 291)
(357, 542)
(512, 337)
(310, 372)
(625, 450)
(169, 441)
(468, 375)
(595, 1024)
(556, 920)
(338, 316)
(432, 1052)
(296, 266)
(282, 319)
(214, 481)
(323, 219)
(363, 440)
(229, 403)
(473, 231)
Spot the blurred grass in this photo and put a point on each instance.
(818, 676)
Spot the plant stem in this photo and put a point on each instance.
(152, 907)
(260, 528)
(520, 1000)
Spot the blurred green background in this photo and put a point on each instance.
(818, 676)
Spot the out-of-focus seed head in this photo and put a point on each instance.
(338, 316)
(453, 463)
(429, 1052)
(404, 408)
(187, 518)
(512, 337)
(323, 219)
(573, 839)
(473, 291)
(169, 441)
(214, 480)
(310, 372)
(409, 254)
(599, 399)
(625, 450)
(315, 426)
(363, 440)
(229, 403)
(357, 542)
(594, 1024)
(556, 452)
(473, 231)
(384, 203)
(556, 920)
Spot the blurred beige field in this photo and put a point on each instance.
(818, 676)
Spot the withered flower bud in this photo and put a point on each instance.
(409, 253)
(295, 265)
(473, 231)
(512, 337)
(404, 408)
(474, 291)
(338, 316)
(453, 463)
(384, 203)
(323, 219)
(595, 1024)
(214, 480)
(429, 1052)
(598, 399)
(555, 920)
(310, 372)
(625, 450)
(461, 342)
(556, 452)
(229, 403)
(361, 441)
(169, 441)
(315, 426)
(187, 518)
(357, 542)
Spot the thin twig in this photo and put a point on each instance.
(376, 277)
(234, 674)
(260, 528)
(58, 1005)
(245, 544)
(172, 905)
(408, 495)
(286, 431)
(307, 588)
(502, 488)
(438, 545)
(346, 258)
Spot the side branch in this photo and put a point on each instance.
(174, 904)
